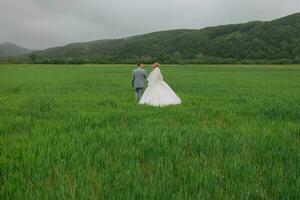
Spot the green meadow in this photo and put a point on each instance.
(75, 132)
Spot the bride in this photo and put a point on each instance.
(158, 93)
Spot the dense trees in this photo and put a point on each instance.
(271, 42)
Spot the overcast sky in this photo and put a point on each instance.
(40, 24)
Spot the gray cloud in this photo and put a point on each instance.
(41, 24)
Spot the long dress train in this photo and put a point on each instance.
(158, 92)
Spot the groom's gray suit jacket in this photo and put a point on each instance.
(139, 77)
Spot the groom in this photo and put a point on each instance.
(139, 77)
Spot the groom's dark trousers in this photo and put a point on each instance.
(139, 93)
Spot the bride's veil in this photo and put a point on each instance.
(154, 76)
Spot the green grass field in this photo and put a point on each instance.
(75, 132)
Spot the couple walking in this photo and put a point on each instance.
(158, 93)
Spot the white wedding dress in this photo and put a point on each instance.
(158, 93)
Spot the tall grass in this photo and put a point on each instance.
(75, 132)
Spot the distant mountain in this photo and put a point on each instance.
(9, 49)
(270, 41)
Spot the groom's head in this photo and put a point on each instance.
(140, 65)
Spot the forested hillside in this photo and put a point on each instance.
(276, 41)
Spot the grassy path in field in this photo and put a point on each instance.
(75, 132)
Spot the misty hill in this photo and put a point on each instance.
(8, 49)
(277, 40)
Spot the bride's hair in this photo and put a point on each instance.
(155, 65)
